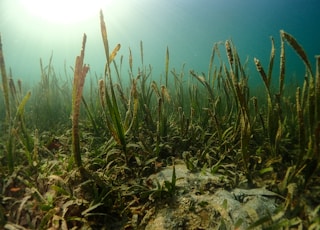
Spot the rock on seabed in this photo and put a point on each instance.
(201, 204)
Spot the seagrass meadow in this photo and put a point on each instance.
(91, 170)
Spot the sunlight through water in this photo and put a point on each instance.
(64, 11)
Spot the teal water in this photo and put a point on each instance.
(188, 27)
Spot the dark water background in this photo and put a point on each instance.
(188, 27)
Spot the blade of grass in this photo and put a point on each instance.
(5, 85)
(298, 48)
(301, 128)
(141, 52)
(317, 93)
(271, 61)
(80, 72)
(282, 66)
(167, 66)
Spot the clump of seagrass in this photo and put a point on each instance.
(307, 112)
(112, 114)
(80, 72)
(14, 125)
(239, 82)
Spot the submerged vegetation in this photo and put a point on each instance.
(92, 171)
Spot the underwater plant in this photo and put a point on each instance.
(212, 122)
(80, 72)
(5, 84)
(14, 126)
(118, 127)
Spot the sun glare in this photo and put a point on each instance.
(64, 11)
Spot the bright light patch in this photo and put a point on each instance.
(64, 11)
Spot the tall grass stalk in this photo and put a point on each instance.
(80, 72)
(317, 88)
(10, 145)
(5, 86)
(167, 66)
